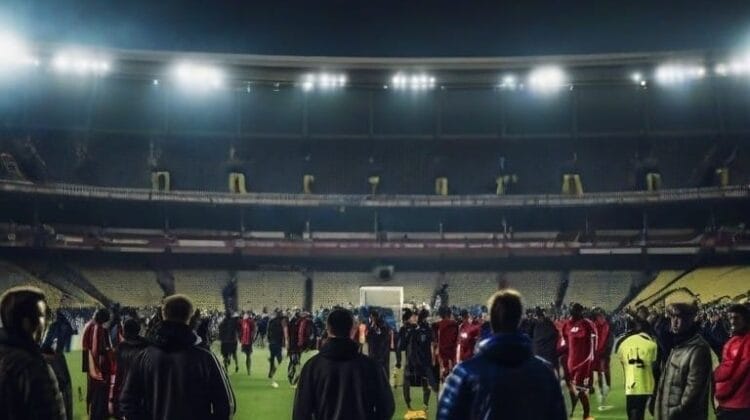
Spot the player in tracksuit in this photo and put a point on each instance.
(420, 361)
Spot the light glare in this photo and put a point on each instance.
(547, 79)
(80, 63)
(14, 53)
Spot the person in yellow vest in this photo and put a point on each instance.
(637, 351)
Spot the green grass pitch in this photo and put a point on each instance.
(257, 400)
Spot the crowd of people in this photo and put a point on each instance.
(486, 361)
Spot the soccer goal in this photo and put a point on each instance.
(391, 297)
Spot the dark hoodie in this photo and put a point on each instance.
(176, 378)
(339, 383)
(503, 381)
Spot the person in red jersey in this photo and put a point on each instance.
(445, 333)
(732, 376)
(247, 332)
(580, 342)
(468, 335)
(99, 357)
(601, 355)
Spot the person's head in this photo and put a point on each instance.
(632, 324)
(406, 316)
(24, 312)
(642, 313)
(423, 315)
(464, 315)
(177, 308)
(576, 311)
(339, 323)
(506, 310)
(101, 316)
(375, 317)
(539, 314)
(681, 316)
(739, 319)
(131, 328)
(598, 314)
(445, 312)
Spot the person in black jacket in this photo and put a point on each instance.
(339, 383)
(504, 380)
(229, 335)
(28, 387)
(420, 362)
(544, 338)
(174, 377)
(126, 352)
(379, 341)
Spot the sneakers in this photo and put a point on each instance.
(274, 384)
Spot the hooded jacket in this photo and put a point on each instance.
(500, 381)
(685, 381)
(176, 378)
(339, 383)
(28, 388)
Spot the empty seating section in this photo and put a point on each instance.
(705, 284)
(605, 289)
(271, 289)
(12, 276)
(649, 292)
(135, 288)
(340, 288)
(538, 288)
(203, 286)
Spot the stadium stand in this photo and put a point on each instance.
(203, 286)
(12, 276)
(706, 284)
(605, 289)
(137, 288)
(270, 289)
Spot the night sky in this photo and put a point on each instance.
(386, 28)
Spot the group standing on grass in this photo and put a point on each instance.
(171, 372)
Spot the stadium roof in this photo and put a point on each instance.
(385, 27)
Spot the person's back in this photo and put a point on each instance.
(28, 387)
(276, 331)
(504, 380)
(339, 383)
(228, 330)
(545, 340)
(174, 378)
(502, 377)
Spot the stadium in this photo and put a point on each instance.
(292, 182)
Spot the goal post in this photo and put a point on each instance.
(391, 297)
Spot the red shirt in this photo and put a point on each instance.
(446, 336)
(580, 341)
(602, 335)
(732, 376)
(468, 334)
(247, 329)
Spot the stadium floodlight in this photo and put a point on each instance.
(415, 81)
(547, 79)
(80, 63)
(636, 77)
(721, 69)
(323, 81)
(198, 76)
(15, 53)
(677, 73)
(509, 82)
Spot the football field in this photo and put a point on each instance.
(257, 400)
